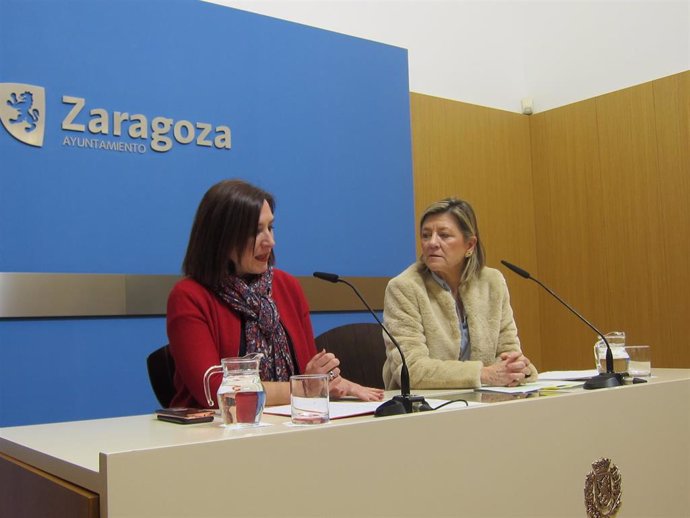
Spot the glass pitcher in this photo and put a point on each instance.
(616, 340)
(241, 395)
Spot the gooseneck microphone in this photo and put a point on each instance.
(607, 379)
(405, 403)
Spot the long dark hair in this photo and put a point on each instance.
(225, 223)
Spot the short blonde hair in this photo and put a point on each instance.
(467, 223)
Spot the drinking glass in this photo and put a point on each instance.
(639, 360)
(309, 398)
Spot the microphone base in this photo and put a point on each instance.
(403, 404)
(606, 380)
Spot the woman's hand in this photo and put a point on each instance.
(509, 370)
(338, 387)
(324, 363)
(364, 393)
(341, 387)
(515, 362)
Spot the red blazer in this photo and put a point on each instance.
(202, 330)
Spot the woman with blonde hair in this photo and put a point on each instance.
(451, 313)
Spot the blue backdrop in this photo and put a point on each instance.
(319, 119)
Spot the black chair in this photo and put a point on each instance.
(161, 367)
(360, 349)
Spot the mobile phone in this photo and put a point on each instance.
(185, 415)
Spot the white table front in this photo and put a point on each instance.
(527, 457)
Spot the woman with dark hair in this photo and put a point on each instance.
(233, 302)
(451, 313)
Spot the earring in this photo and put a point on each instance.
(468, 253)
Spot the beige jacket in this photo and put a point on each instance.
(421, 315)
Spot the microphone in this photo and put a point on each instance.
(607, 379)
(405, 403)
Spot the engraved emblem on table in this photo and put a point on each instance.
(603, 489)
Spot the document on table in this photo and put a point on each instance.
(340, 409)
(567, 375)
(336, 409)
(534, 386)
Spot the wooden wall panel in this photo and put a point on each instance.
(628, 155)
(672, 118)
(483, 156)
(569, 211)
(612, 222)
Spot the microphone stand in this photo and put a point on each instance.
(603, 380)
(405, 403)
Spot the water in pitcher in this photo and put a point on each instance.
(616, 340)
(241, 404)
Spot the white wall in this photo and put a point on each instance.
(494, 53)
(599, 47)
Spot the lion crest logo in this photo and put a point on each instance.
(22, 112)
(603, 489)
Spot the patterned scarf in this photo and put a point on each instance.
(262, 328)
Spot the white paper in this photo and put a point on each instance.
(534, 386)
(339, 409)
(336, 409)
(567, 375)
